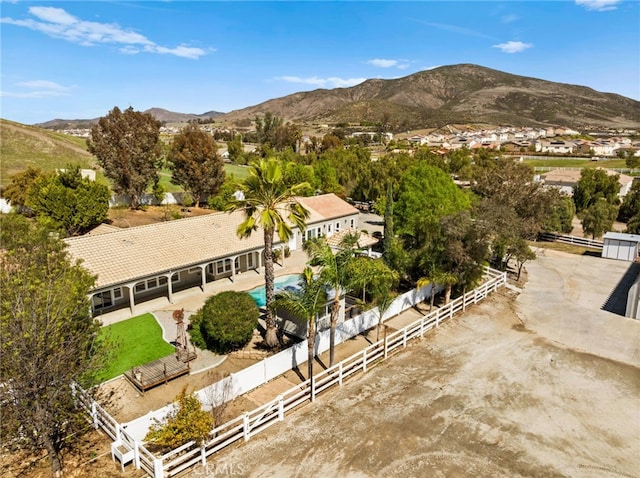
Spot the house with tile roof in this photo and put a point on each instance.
(566, 180)
(138, 264)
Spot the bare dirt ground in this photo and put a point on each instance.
(482, 396)
(126, 217)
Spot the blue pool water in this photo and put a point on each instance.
(288, 282)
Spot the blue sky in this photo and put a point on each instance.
(79, 59)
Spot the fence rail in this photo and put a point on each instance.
(261, 418)
(579, 241)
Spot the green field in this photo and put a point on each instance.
(238, 172)
(137, 341)
(575, 163)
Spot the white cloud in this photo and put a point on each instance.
(509, 18)
(57, 23)
(513, 46)
(334, 82)
(598, 5)
(382, 63)
(37, 89)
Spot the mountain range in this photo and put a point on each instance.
(456, 94)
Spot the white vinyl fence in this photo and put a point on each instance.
(579, 241)
(128, 447)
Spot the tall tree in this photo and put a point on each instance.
(16, 191)
(48, 341)
(595, 183)
(425, 195)
(268, 203)
(195, 163)
(598, 218)
(306, 303)
(389, 234)
(333, 272)
(630, 206)
(72, 202)
(126, 146)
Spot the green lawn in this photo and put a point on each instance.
(138, 341)
(575, 163)
(239, 172)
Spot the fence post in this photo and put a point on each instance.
(157, 468)
(280, 408)
(340, 373)
(245, 426)
(437, 317)
(136, 454)
(364, 360)
(404, 338)
(312, 384)
(475, 295)
(464, 301)
(422, 326)
(386, 346)
(450, 310)
(94, 414)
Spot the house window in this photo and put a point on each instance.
(250, 260)
(140, 287)
(152, 283)
(194, 270)
(353, 223)
(236, 263)
(337, 226)
(329, 228)
(175, 277)
(102, 300)
(117, 293)
(162, 281)
(220, 267)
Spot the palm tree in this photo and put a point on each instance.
(439, 277)
(268, 203)
(333, 272)
(306, 303)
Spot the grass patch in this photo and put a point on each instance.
(570, 248)
(575, 163)
(239, 172)
(24, 146)
(136, 341)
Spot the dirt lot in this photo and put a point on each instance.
(483, 396)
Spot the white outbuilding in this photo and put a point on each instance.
(625, 247)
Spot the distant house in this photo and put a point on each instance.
(555, 147)
(566, 180)
(142, 263)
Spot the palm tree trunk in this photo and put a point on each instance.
(447, 294)
(312, 345)
(271, 336)
(335, 308)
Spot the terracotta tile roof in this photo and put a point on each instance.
(364, 239)
(129, 254)
(326, 206)
(126, 255)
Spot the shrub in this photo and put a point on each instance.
(226, 321)
(188, 421)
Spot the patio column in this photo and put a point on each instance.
(203, 278)
(132, 300)
(170, 287)
(233, 268)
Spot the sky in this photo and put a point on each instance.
(77, 60)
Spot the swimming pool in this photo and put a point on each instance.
(288, 282)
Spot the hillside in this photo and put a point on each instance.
(22, 146)
(160, 114)
(458, 94)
